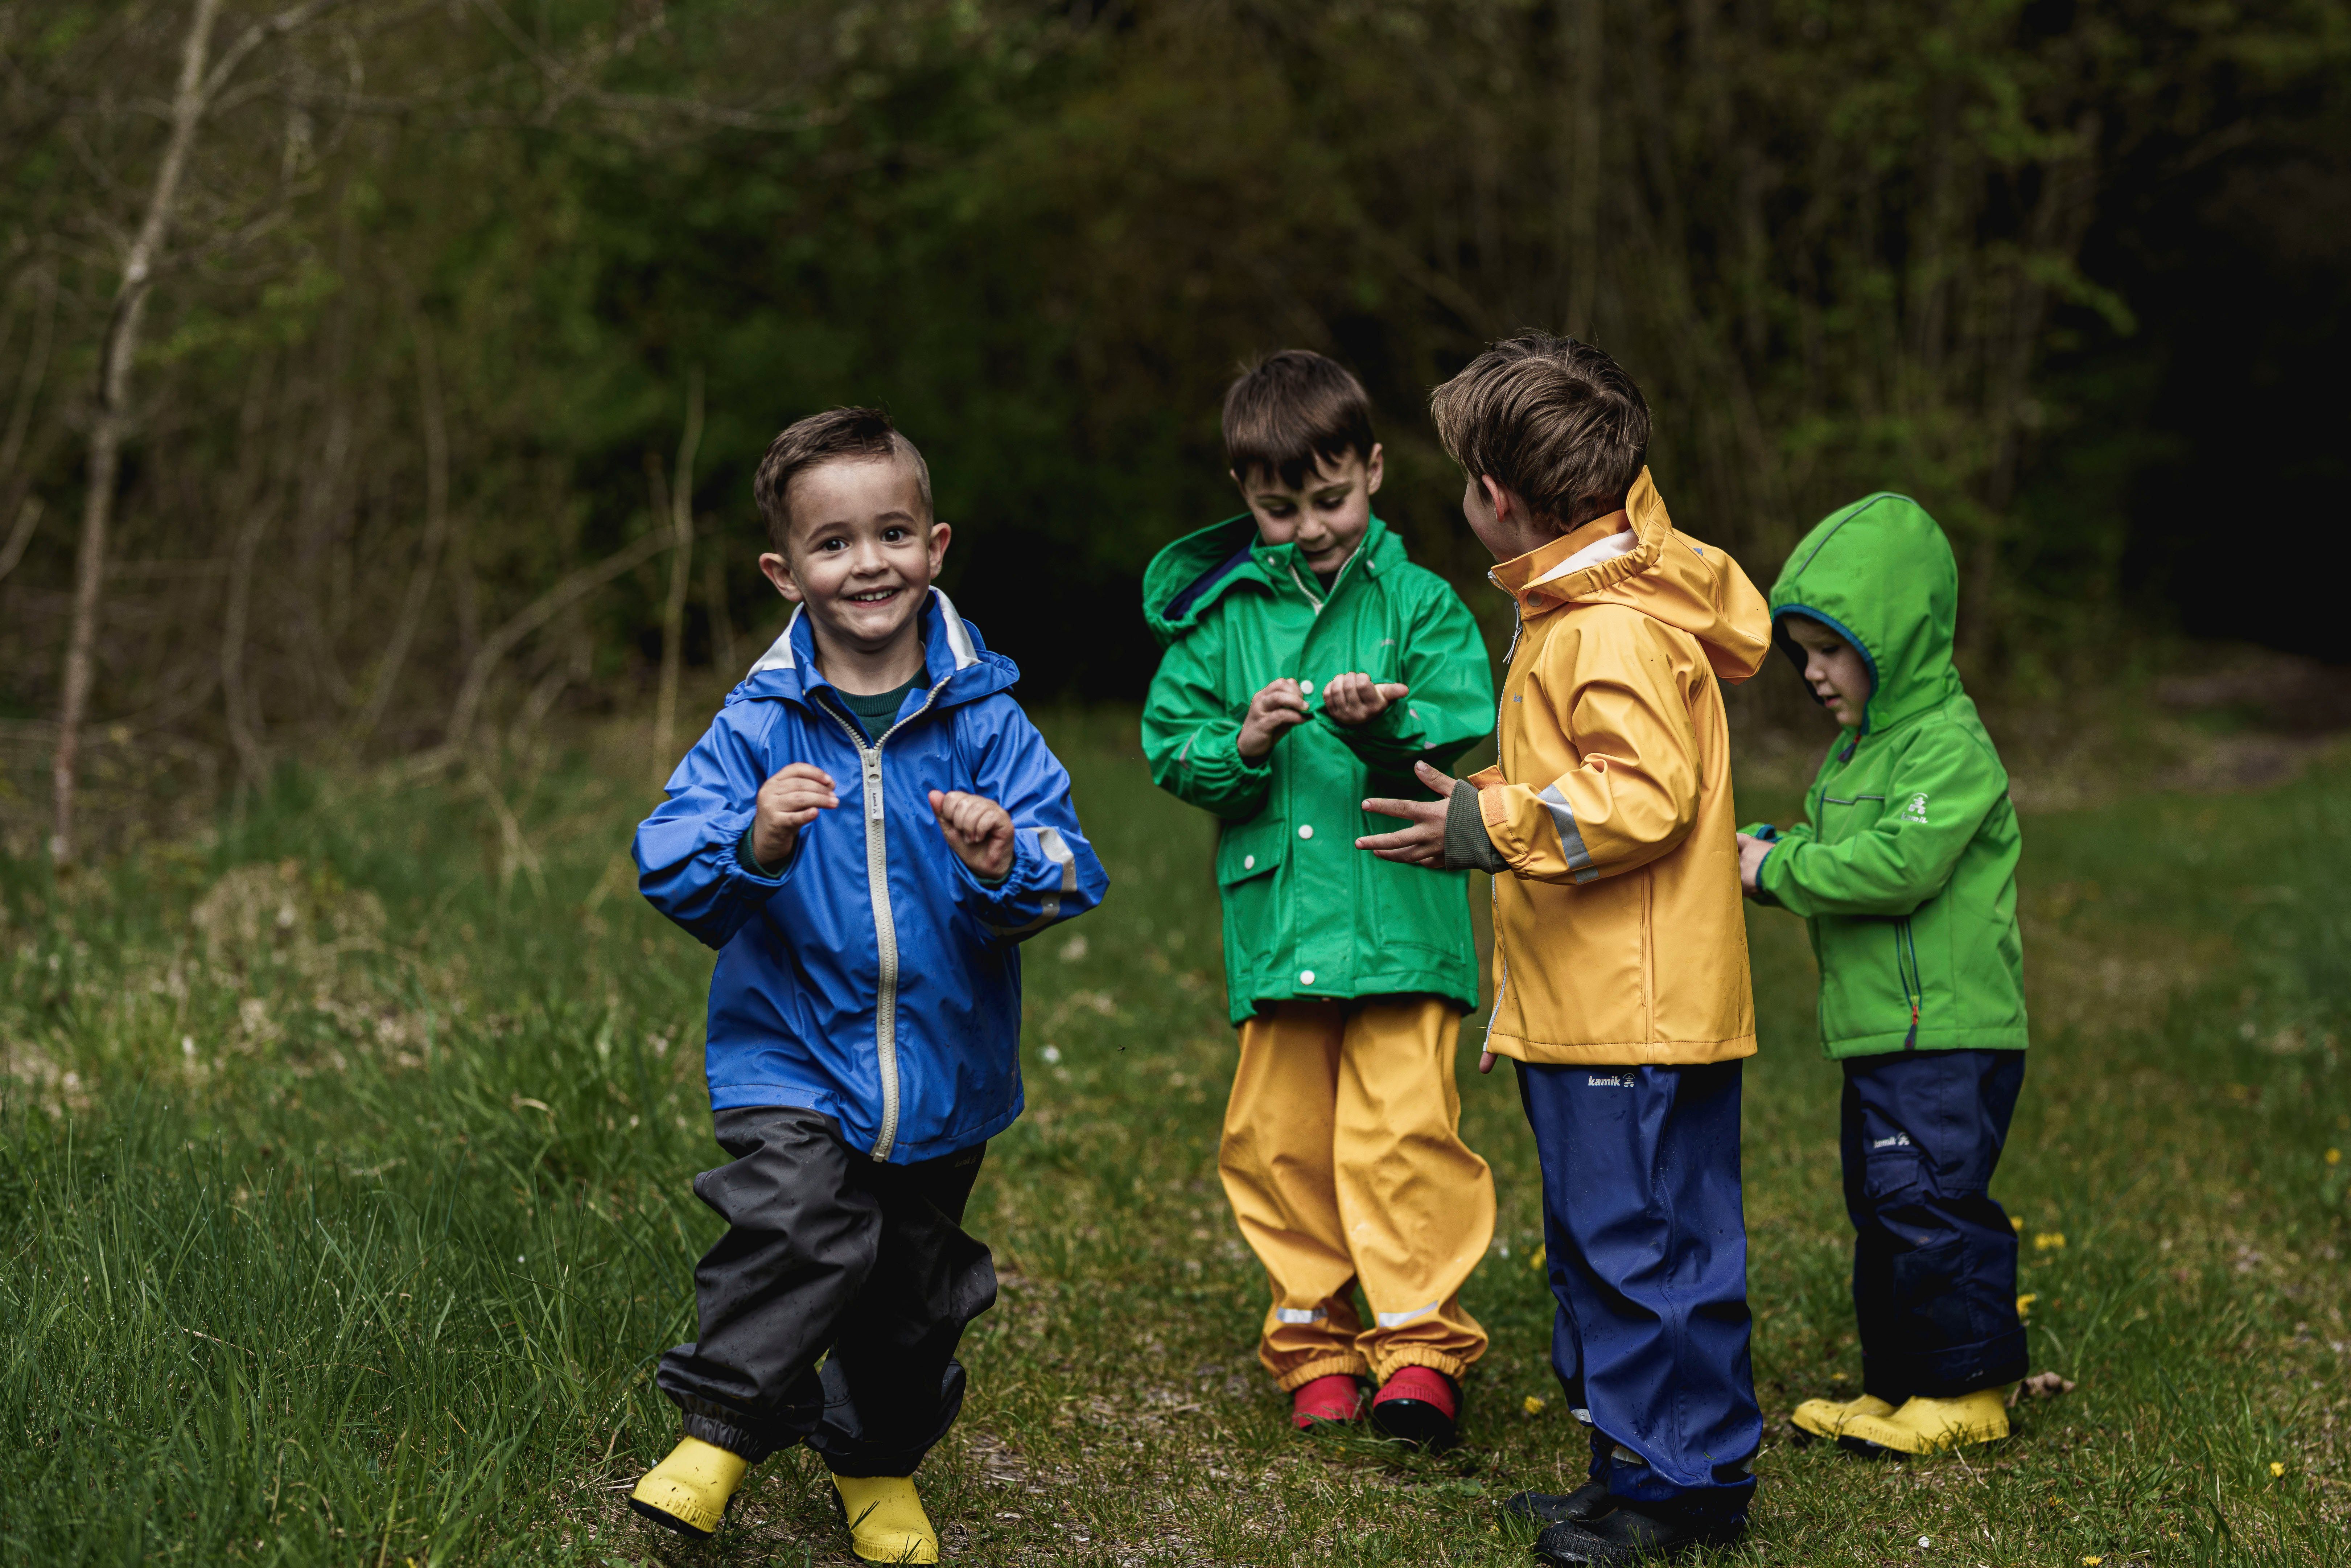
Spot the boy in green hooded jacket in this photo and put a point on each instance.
(1905, 870)
(1309, 665)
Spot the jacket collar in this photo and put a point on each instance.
(1601, 554)
(951, 653)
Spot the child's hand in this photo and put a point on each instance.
(1751, 850)
(978, 830)
(1271, 712)
(788, 802)
(1423, 843)
(1355, 698)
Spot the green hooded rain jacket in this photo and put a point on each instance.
(1306, 913)
(1906, 868)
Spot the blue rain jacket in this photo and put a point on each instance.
(875, 979)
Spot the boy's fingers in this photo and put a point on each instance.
(1415, 839)
(1485, 1061)
(1386, 807)
(1392, 691)
(1436, 778)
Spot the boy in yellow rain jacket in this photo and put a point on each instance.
(1620, 950)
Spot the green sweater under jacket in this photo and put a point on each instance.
(1306, 913)
(1905, 869)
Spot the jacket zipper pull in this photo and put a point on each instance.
(873, 785)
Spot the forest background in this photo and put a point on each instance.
(383, 378)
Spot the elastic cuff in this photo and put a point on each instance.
(1342, 1366)
(1388, 1362)
(1468, 844)
(740, 1441)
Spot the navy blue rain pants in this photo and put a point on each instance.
(1934, 1257)
(1645, 1240)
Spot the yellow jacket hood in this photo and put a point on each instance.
(1638, 559)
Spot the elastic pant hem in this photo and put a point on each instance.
(1946, 1373)
(1388, 1362)
(1297, 1377)
(740, 1441)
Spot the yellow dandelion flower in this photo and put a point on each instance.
(1536, 1262)
(2049, 1242)
(2092, 1562)
(2334, 1157)
(2024, 1303)
(1534, 1404)
(2276, 1469)
(2016, 1223)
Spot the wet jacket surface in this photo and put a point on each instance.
(1619, 936)
(1906, 866)
(873, 978)
(1306, 913)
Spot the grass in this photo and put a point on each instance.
(343, 1210)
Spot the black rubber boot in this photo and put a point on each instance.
(1631, 1533)
(1589, 1500)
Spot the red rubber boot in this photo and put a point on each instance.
(1420, 1405)
(1326, 1402)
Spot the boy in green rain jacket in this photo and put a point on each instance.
(1906, 872)
(1310, 664)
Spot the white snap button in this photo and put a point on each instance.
(1248, 863)
(1306, 830)
(1307, 687)
(1305, 976)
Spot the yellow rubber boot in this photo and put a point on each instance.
(688, 1492)
(1826, 1417)
(1929, 1425)
(886, 1522)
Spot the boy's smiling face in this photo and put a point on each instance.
(1834, 669)
(862, 551)
(1327, 517)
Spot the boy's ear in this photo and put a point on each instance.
(778, 569)
(941, 536)
(1374, 468)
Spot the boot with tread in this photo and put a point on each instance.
(886, 1519)
(1925, 1425)
(689, 1491)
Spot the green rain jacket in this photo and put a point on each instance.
(1906, 870)
(1306, 913)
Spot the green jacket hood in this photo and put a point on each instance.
(1880, 573)
(1187, 577)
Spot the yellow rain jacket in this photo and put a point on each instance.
(1618, 935)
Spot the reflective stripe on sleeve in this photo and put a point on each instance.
(1571, 838)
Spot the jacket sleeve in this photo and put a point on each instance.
(1935, 797)
(1191, 732)
(689, 864)
(1634, 795)
(1054, 873)
(1451, 706)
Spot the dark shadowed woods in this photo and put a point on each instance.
(381, 380)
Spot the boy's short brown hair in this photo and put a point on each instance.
(1292, 412)
(1557, 421)
(838, 435)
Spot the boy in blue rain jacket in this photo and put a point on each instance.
(866, 834)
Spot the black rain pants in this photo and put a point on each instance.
(827, 1250)
(1934, 1257)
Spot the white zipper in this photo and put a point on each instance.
(885, 931)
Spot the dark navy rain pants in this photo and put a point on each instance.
(1934, 1257)
(1645, 1240)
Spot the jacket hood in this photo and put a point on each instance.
(1184, 580)
(1881, 575)
(1650, 568)
(952, 652)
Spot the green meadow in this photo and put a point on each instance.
(344, 1155)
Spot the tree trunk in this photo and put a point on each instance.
(112, 421)
(681, 509)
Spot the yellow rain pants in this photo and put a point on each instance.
(1344, 1162)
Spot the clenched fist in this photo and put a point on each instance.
(978, 830)
(788, 802)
